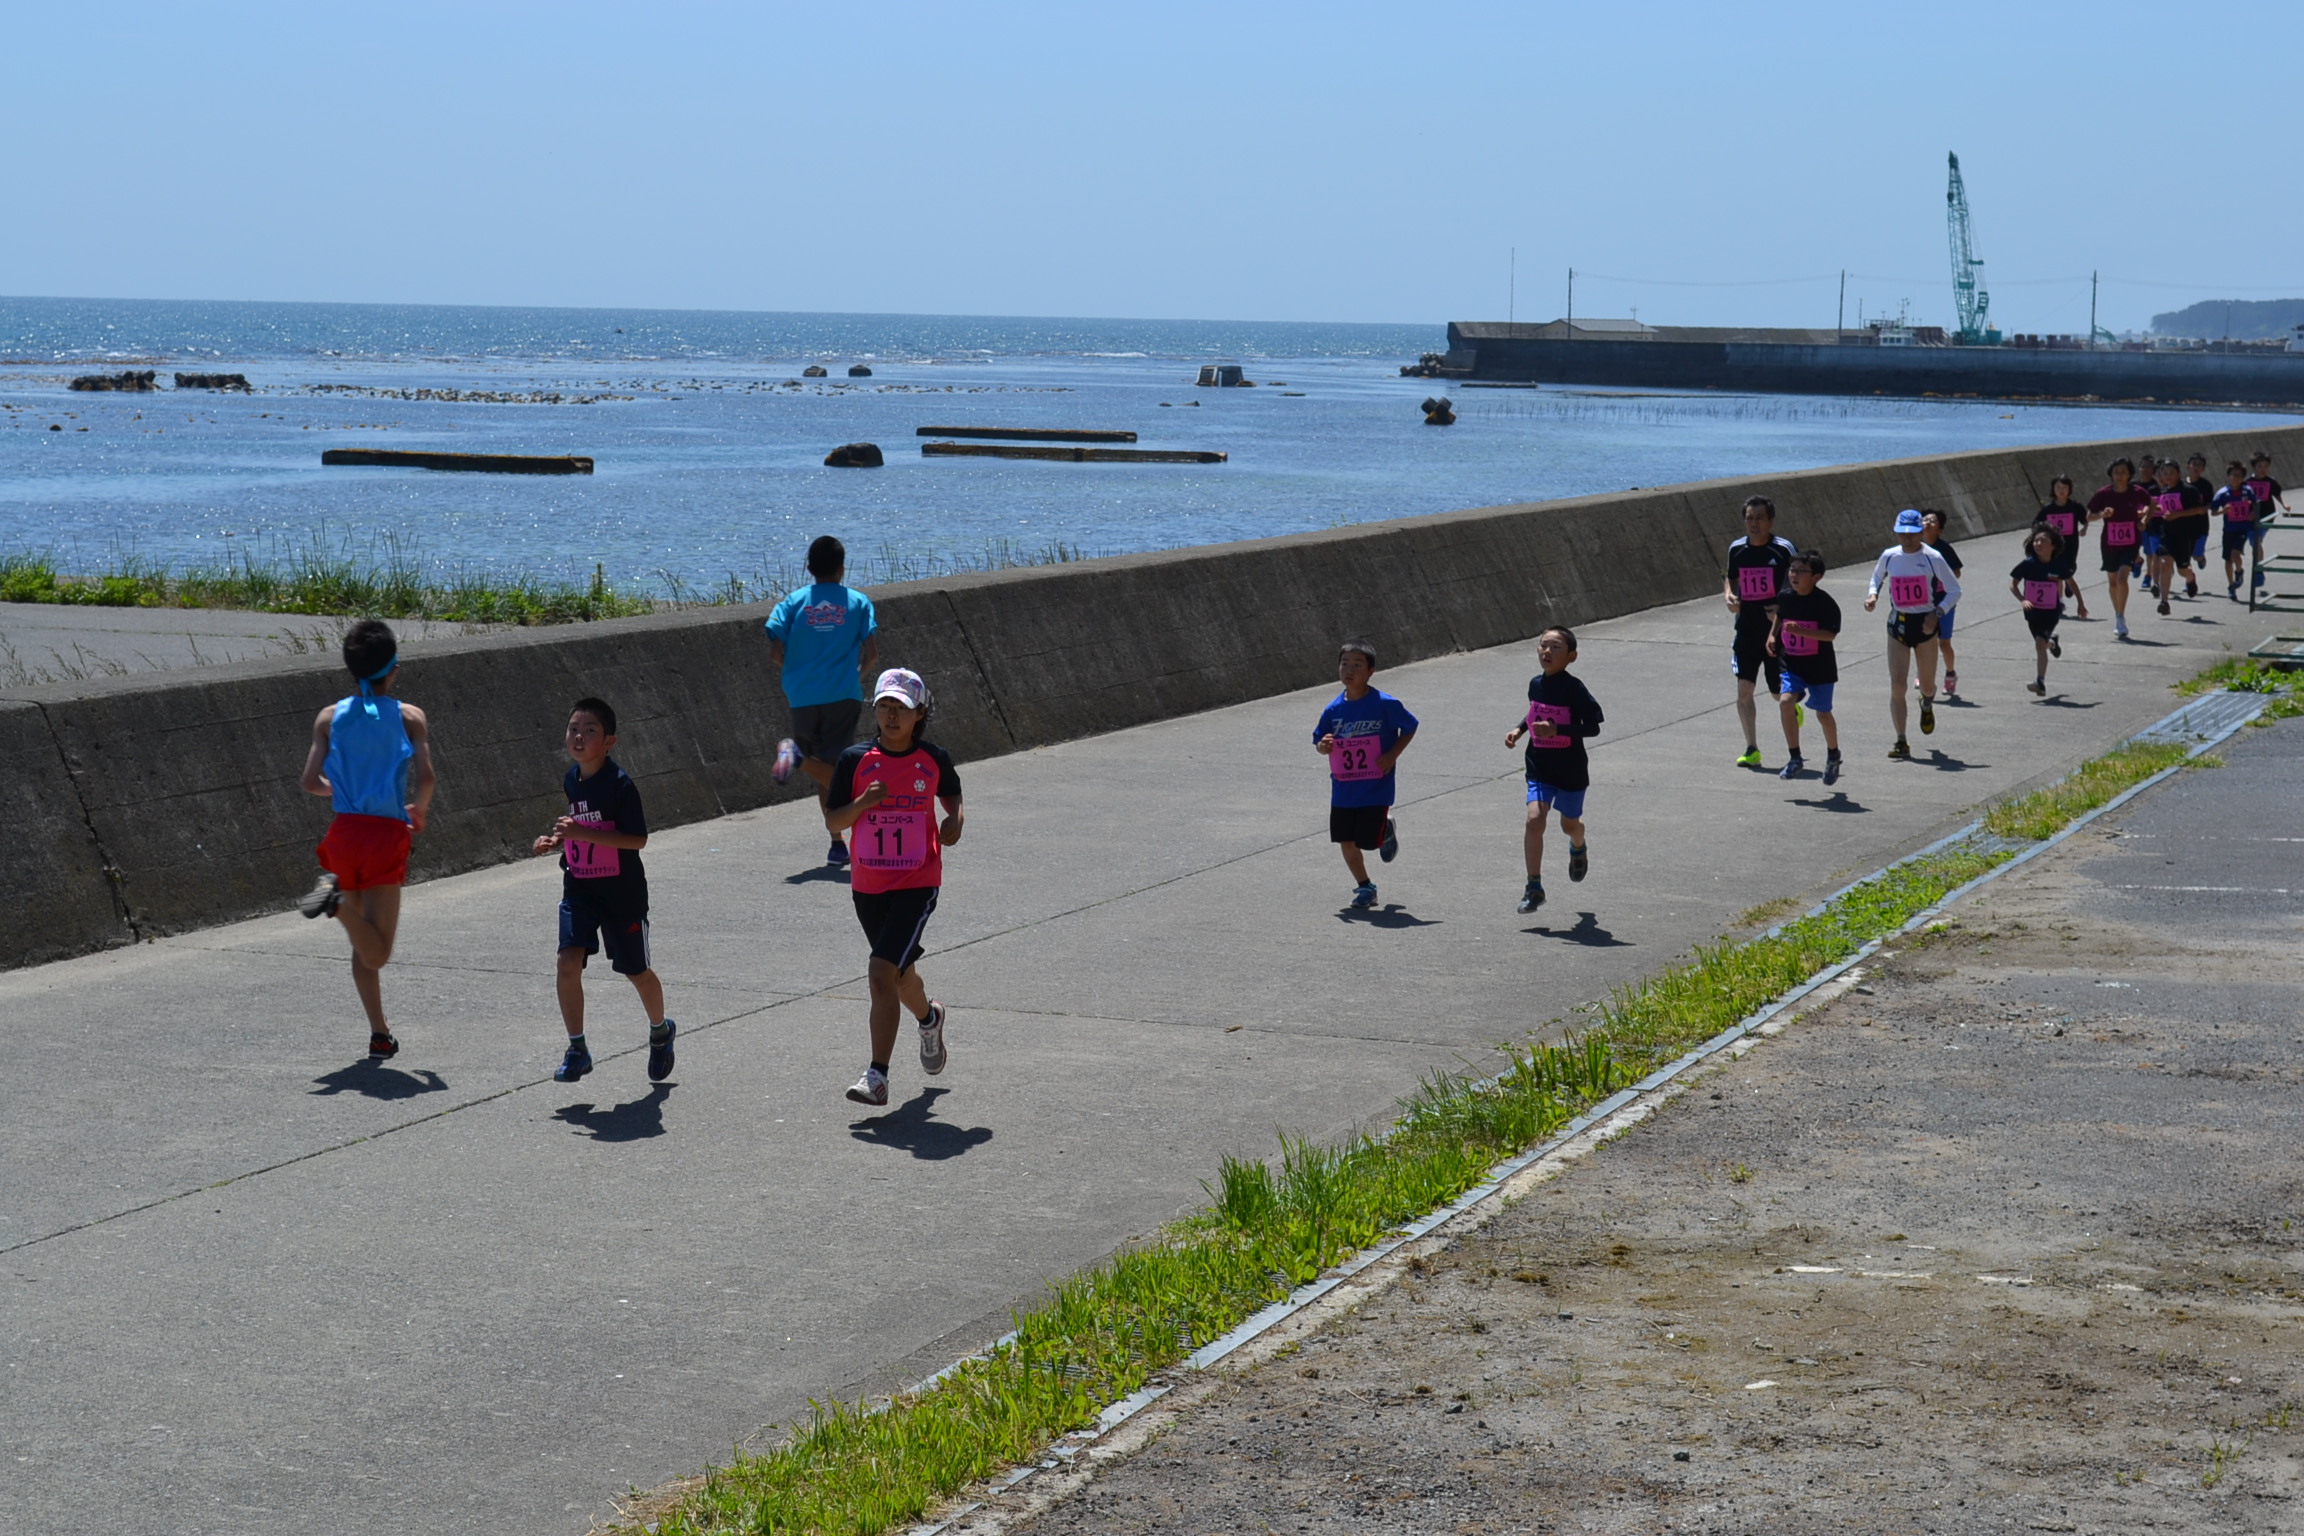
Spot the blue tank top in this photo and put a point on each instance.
(368, 756)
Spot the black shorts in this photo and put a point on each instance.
(2120, 557)
(824, 731)
(1749, 660)
(1910, 629)
(1360, 825)
(592, 928)
(2186, 538)
(2042, 621)
(2236, 536)
(895, 920)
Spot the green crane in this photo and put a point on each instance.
(1968, 293)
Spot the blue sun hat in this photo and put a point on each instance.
(1908, 521)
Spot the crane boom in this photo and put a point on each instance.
(1968, 293)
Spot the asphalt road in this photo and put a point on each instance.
(251, 1283)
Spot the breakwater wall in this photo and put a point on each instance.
(1993, 373)
(160, 802)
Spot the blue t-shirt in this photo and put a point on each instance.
(822, 628)
(1376, 714)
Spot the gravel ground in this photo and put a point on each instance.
(1999, 1240)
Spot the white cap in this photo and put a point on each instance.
(903, 686)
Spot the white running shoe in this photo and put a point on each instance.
(932, 1054)
(787, 759)
(871, 1088)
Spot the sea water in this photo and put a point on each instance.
(709, 444)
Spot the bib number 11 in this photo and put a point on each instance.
(896, 840)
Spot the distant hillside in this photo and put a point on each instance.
(2250, 319)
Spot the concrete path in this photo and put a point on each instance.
(251, 1283)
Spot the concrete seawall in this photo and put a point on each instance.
(162, 802)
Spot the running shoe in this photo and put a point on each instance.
(660, 1052)
(2257, 580)
(2038, 686)
(2163, 607)
(574, 1065)
(932, 1055)
(2120, 628)
(1578, 862)
(1391, 848)
(871, 1088)
(1951, 683)
(321, 900)
(2191, 587)
(1793, 766)
(1750, 759)
(381, 1046)
(2055, 647)
(2232, 590)
(837, 854)
(787, 759)
(1902, 751)
(1532, 896)
(1832, 769)
(1364, 896)
(1927, 716)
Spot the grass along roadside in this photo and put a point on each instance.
(868, 1467)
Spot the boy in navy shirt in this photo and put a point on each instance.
(603, 888)
(1362, 733)
(821, 638)
(1562, 716)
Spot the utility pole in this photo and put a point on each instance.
(1512, 288)
(1840, 317)
(2091, 311)
(1571, 303)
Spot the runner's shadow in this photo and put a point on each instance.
(371, 1079)
(1942, 764)
(1390, 915)
(818, 875)
(636, 1121)
(1587, 932)
(1837, 801)
(2154, 644)
(914, 1128)
(2058, 701)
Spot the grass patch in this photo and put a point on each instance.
(864, 1468)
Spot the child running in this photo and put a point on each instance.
(1920, 586)
(2269, 500)
(1562, 716)
(2068, 520)
(603, 888)
(1807, 622)
(1362, 733)
(821, 638)
(372, 757)
(2038, 583)
(1757, 563)
(888, 789)
(1932, 534)
(2119, 512)
(2238, 504)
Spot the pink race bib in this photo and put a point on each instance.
(1799, 640)
(2119, 535)
(1756, 583)
(1354, 758)
(2171, 503)
(1909, 592)
(2042, 594)
(590, 861)
(2240, 510)
(2260, 489)
(1554, 715)
(2061, 524)
(892, 840)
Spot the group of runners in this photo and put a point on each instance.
(892, 804)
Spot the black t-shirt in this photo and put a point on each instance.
(843, 786)
(609, 798)
(1771, 565)
(2032, 569)
(2197, 495)
(1566, 766)
(1819, 609)
(1951, 556)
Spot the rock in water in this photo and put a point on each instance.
(130, 383)
(854, 456)
(815, 371)
(859, 371)
(234, 381)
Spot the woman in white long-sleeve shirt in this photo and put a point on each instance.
(1921, 587)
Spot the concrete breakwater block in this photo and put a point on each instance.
(1030, 434)
(487, 463)
(855, 456)
(1076, 455)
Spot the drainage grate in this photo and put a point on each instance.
(2213, 716)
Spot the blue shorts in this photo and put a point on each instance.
(1818, 695)
(592, 929)
(1944, 622)
(2151, 543)
(1568, 802)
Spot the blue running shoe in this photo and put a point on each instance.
(1391, 848)
(1363, 897)
(837, 857)
(574, 1065)
(660, 1051)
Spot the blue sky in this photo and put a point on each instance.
(1263, 161)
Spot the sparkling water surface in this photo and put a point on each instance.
(709, 446)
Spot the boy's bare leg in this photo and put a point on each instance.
(820, 771)
(1831, 731)
(1899, 668)
(651, 990)
(1355, 863)
(1747, 712)
(2116, 584)
(1575, 831)
(1786, 711)
(887, 990)
(1532, 839)
(370, 918)
(568, 982)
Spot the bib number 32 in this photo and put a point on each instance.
(1354, 758)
